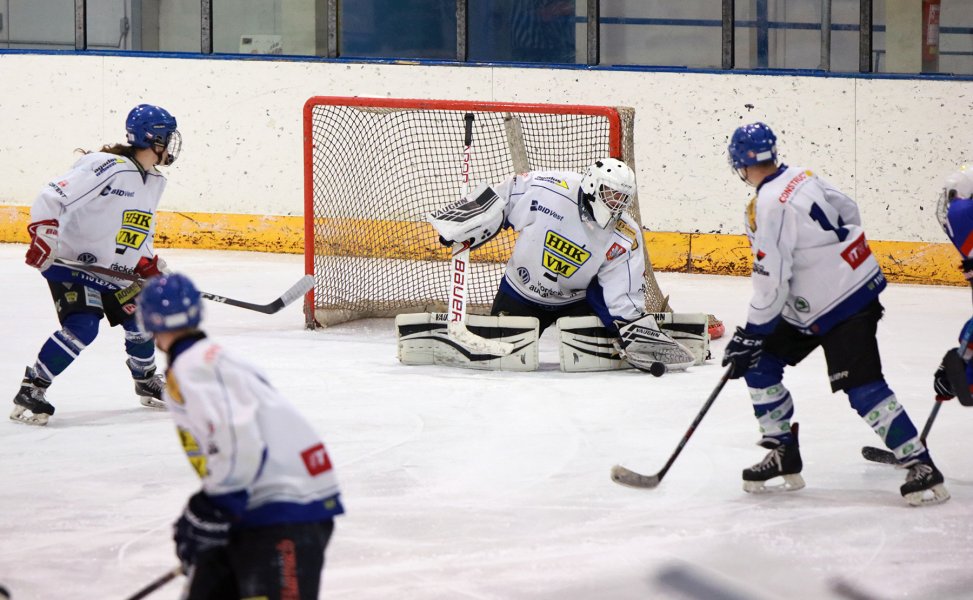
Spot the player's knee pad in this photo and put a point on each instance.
(768, 372)
(82, 326)
(865, 398)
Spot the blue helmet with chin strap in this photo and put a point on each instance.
(169, 302)
(752, 144)
(149, 125)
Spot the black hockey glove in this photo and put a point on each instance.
(743, 352)
(968, 269)
(941, 385)
(201, 527)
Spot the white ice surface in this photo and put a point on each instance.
(477, 485)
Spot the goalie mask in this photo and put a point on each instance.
(607, 190)
(169, 302)
(149, 126)
(958, 186)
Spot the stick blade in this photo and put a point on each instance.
(304, 285)
(627, 477)
(878, 455)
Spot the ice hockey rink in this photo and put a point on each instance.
(493, 486)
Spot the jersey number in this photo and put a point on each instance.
(818, 215)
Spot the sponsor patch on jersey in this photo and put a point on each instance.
(316, 460)
(193, 452)
(536, 206)
(562, 256)
(71, 297)
(554, 180)
(172, 388)
(127, 294)
(615, 251)
(752, 215)
(802, 305)
(793, 185)
(110, 191)
(759, 269)
(108, 164)
(57, 189)
(135, 229)
(761, 254)
(628, 232)
(524, 274)
(856, 253)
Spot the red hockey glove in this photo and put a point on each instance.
(150, 267)
(43, 243)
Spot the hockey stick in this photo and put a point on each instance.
(460, 274)
(880, 455)
(159, 582)
(630, 478)
(303, 286)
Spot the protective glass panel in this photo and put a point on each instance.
(143, 25)
(659, 32)
(397, 29)
(787, 34)
(539, 31)
(932, 36)
(40, 25)
(293, 27)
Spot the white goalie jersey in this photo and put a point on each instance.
(811, 262)
(105, 206)
(558, 257)
(245, 440)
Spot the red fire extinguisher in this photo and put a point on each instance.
(931, 10)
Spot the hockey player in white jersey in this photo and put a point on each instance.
(259, 526)
(815, 283)
(101, 212)
(577, 253)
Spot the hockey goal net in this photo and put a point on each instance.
(375, 167)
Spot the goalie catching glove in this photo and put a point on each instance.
(643, 344)
(476, 218)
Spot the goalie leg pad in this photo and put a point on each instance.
(689, 329)
(585, 344)
(644, 344)
(423, 339)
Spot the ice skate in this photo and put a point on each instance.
(149, 389)
(783, 460)
(30, 406)
(923, 483)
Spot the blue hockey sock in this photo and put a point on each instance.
(877, 405)
(59, 351)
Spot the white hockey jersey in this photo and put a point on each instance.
(811, 262)
(246, 441)
(557, 256)
(105, 206)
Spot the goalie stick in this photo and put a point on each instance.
(303, 286)
(624, 476)
(460, 273)
(883, 456)
(159, 582)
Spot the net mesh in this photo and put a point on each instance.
(373, 173)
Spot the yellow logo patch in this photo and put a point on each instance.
(191, 447)
(562, 256)
(626, 230)
(135, 228)
(752, 214)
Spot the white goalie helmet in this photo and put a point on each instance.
(607, 190)
(958, 184)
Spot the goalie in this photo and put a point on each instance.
(577, 257)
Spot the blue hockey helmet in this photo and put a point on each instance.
(169, 302)
(752, 144)
(149, 125)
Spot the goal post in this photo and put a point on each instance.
(375, 167)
